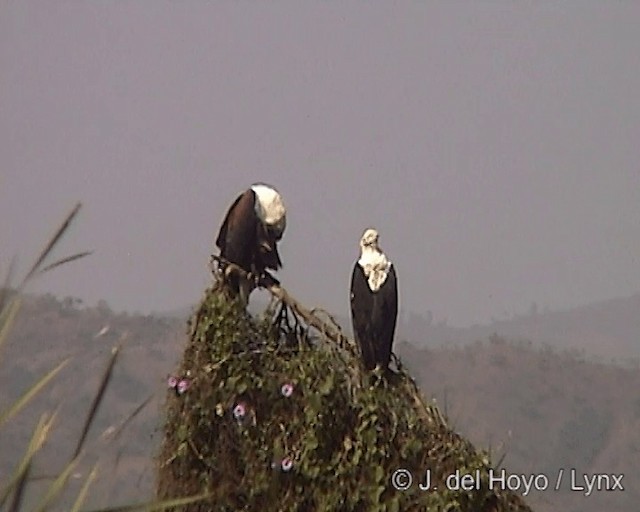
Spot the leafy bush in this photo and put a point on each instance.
(264, 416)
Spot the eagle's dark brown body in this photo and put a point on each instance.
(250, 232)
(374, 303)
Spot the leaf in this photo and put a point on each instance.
(7, 316)
(106, 377)
(157, 505)
(183, 433)
(394, 505)
(357, 455)
(327, 385)
(82, 495)
(51, 244)
(38, 438)
(377, 492)
(64, 261)
(32, 392)
(56, 487)
(311, 444)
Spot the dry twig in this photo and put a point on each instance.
(331, 331)
(340, 342)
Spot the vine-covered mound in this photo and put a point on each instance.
(266, 417)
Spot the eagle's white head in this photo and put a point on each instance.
(369, 239)
(270, 208)
(373, 261)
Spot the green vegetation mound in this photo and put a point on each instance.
(265, 415)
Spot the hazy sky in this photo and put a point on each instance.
(495, 145)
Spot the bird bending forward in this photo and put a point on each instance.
(249, 236)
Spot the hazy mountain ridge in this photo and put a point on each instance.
(606, 330)
(548, 408)
(544, 410)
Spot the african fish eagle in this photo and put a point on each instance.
(250, 232)
(374, 302)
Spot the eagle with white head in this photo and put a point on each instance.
(374, 302)
(249, 235)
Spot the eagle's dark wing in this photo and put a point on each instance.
(221, 240)
(361, 316)
(386, 316)
(237, 236)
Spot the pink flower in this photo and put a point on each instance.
(172, 382)
(183, 385)
(287, 389)
(287, 464)
(239, 411)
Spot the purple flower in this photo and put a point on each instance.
(183, 385)
(287, 464)
(287, 389)
(239, 411)
(172, 382)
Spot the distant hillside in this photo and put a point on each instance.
(545, 408)
(604, 330)
(48, 330)
(607, 330)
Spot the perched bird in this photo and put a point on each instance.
(374, 302)
(250, 233)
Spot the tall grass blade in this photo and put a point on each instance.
(56, 487)
(18, 491)
(7, 316)
(96, 401)
(62, 261)
(6, 291)
(52, 243)
(82, 495)
(8, 307)
(28, 396)
(131, 417)
(158, 505)
(38, 438)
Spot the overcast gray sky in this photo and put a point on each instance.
(495, 145)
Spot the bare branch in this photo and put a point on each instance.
(332, 332)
